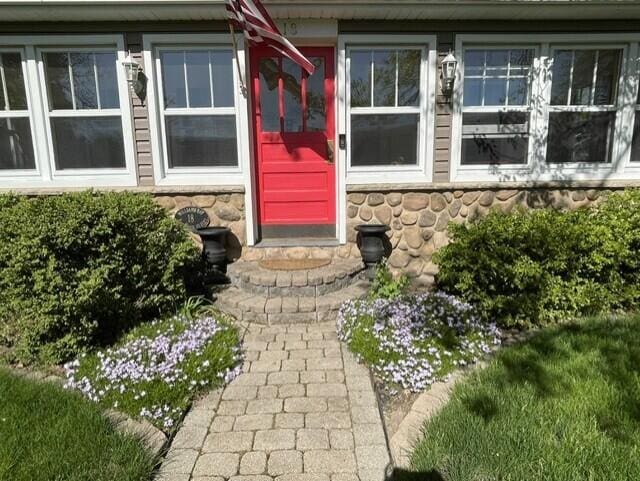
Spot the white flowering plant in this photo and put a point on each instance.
(413, 340)
(158, 368)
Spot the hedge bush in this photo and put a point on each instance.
(544, 266)
(78, 269)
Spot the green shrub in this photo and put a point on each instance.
(385, 286)
(78, 269)
(543, 266)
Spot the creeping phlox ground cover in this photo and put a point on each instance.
(411, 341)
(158, 368)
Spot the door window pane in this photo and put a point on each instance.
(269, 109)
(173, 79)
(409, 77)
(316, 115)
(88, 142)
(495, 138)
(390, 139)
(201, 141)
(16, 93)
(16, 146)
(197, 64)
(580, 137)
(384, 78)
(360, 73)
(222, 72)
(292, 95)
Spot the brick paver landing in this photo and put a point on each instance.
(303, 410)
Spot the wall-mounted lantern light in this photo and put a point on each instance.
(134, 74)
(449, 65)
(132, 69)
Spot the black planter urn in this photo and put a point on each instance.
(214, 250)
(371, 242)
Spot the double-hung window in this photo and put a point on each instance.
(545, 107)
(16, 142)
(582, 110)
(83, 109)
(195, 110)
(65, 114)
(389, 107)
(496, 109)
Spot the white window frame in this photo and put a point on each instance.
(4, 114)
(37, 97)
(423, 171)
(221, 176)
(537, 169)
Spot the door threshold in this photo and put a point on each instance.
(300, 242)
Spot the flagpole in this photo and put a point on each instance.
(243, 87)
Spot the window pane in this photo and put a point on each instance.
(360, 72)
(222, 69)
(409, 77)
(495, 138)
(173, 79)
(12, 65)
(607, 77)
(521, 60)
(384, 78)
(580, 137)
(474, 62)
(561, 77)
(518, 91)
(495, 91)
(497, 61)
(198, 79)
(472, 92)
(316, 115)
(384, 139)
(201, 141)
(16, 145)
(635, 146)
(88, 142)
(269, 110)
(292, 86)
(84, 80)
(107, 80)
(58, 80)
(583, 64)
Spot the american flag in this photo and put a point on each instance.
(252, 18)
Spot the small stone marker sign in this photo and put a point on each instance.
(194, 217)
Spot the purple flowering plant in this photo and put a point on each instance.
(158, 368)
(412, 340)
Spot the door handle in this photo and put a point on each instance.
(331, 148)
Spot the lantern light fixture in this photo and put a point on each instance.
(449, 65)
(132, 69)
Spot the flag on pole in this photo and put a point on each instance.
(252, 18)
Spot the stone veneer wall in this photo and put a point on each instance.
(419, 220)
(224, 209)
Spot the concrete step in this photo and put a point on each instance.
(286, 309)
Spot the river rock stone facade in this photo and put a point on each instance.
(418, 220)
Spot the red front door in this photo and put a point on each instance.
(294, 132)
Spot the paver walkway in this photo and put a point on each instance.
(303, 410)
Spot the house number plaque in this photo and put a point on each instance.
(194, 217)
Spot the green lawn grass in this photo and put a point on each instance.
(50, 434)
(564, 406)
